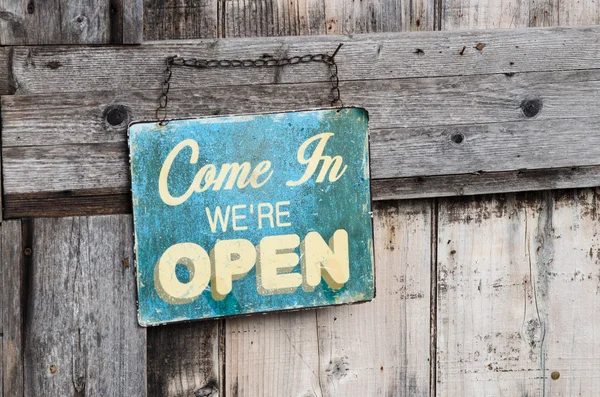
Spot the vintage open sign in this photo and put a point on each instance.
(255, 213)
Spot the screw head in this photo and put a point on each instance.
(555, 375)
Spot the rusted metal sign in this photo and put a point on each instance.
(244, 214)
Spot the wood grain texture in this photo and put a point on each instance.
(382, 348)
(82, 336)
(484, 183)
(253, 18)
(13, 273)
(45, 70)
(345, 17)
(494, 14)
(133, 16)
(181, 19)
(425, 130)
(185, 360)
(580, 12)
(275, 354)
(515, 274)
(70, 22)
(176, 19)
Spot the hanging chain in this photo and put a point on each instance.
(163, 100)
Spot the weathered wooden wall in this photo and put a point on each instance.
(485, 295)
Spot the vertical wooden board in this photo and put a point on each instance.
(493, 14)
(89, 22)
(181, 19)
(580, 12)
(568, 259)
(184, 360)
(272, 355)
(373, 16)
(543, 13)
(382, 348)
(20, 22)
(82, 336)
(133, 21)
(252, 18)
(12, 310)
(490, 334)
(518, 295)
(484, 14)
(70, 22)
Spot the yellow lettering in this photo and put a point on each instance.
(218, 218)
(231, 260)
(235, 216)
(262, 215)
(330, 261)
(333, 166)
(279, 214)
(276, 260)
(163, 177)
(197, 261)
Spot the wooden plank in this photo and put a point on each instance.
(343, 17)
(83, 336)
(517, 280)
(181, 19)
(6, 86)
(479, 109)
(424, 131)
(275, 354)
(383, 348)
(133, 25)
(70, 22)
(13, 306)
(485, 183)
(21, 22)
(567, 258)
(254, 18)
(363, 57)
(489, 330)
(185, 360)
(484, 14)
(581, 12)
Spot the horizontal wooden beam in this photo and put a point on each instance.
(47, 69)
(467, 122)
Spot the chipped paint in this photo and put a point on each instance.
(295, 227)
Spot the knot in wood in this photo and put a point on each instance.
(531, 107)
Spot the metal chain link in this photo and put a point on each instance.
(163, 100)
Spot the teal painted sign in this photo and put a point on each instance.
(257, 213)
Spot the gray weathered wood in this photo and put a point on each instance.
(428, 130)
(275, 354)
(250, 18)
(485, 183)
(133, 27)
(181, 19)
(82, 334)
(481, 14)
(70, 22)
(38, 70)
(581, 12)
(13, 291)
(344, 17)
(185, 359)
(518, 283)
